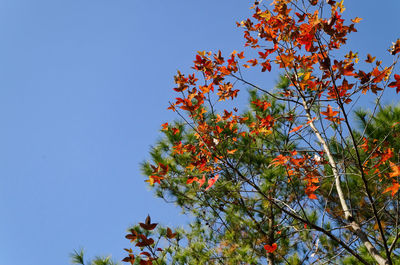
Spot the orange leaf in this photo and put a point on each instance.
(310, 121)
(191, 180)
(285, 59)
(266, 66)
(329, 113)
(312, 196)
(379, 75)
(394, 188)
(296, 129)
(301, 16)
(356, 20)
(370, 59)
(164, 126)
(395, 170)
(201, 181)
(240, 55)
(280, 160)
(271, 248)
(154, 179)
(231, 152)
(212, 181)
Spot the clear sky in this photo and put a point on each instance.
(84, 87)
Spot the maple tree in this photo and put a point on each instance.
(292, 180)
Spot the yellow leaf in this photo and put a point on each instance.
(190, 167)
(307, 76)
(266, 15)
(356, 20)
(150, 180)
(341, 6)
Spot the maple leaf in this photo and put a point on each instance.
(132, 236)
(145, 253)
(329, 113)
(395, 47)
(212, 181)
(154, 179)
(301, 16)
(201, 181)
(130, 259)
(164, 126)
(147, 224)
(280, 160)
(356, 20)
(191, 180)
(370, 59)
(310, 192)
(170, 234)
(231, 152)
(379, 75)
(285, 60)
(395, 170)
(128, 250)
(396, 83)
(271, 248)
(296, 129)
(206, 89)
(394, 188)
(144, 241)
(341, 6)
(266, 66)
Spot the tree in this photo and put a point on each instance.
(291, 180)
(77, 257)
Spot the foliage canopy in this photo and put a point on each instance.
(292, 180)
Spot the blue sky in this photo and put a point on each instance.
(84, 87)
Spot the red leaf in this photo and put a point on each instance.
(396, 83)
(130, 259)
(212, 181)
(240, 55)
(270, 248)
(147, 224)
(170, 234)
(164, 126)
(191, 180)
(201, 181)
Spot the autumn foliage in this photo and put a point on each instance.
(294, 165)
